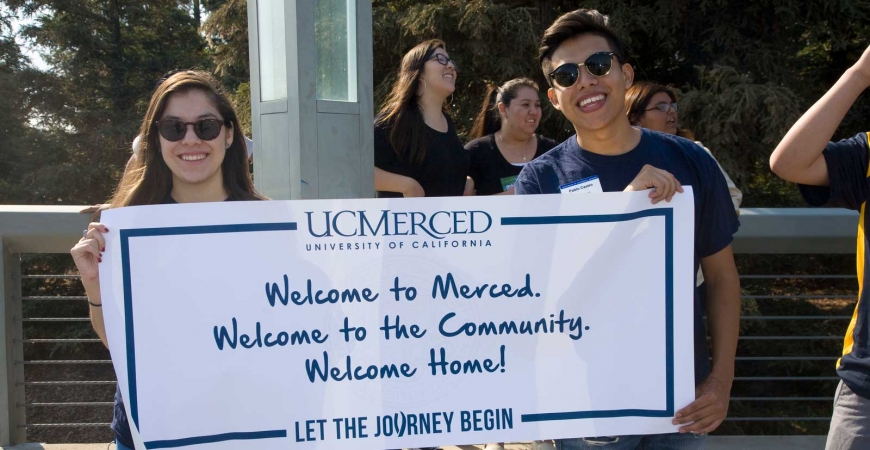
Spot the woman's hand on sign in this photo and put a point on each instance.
(88, 252)
(662, 183)
(708, 410)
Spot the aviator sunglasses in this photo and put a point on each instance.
(173, 130)
(597, 64)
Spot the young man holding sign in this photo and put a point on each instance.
(838, 174)
(584, 62)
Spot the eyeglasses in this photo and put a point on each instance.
(173, 130)
(597, 64)
(664, 107)
(444, 60)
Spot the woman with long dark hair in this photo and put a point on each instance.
(193, 151)
(505, 138)
(417, 151)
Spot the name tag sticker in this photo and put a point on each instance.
(586, 185)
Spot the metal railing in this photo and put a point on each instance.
(59, 381)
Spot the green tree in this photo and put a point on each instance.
(105, 57)
(226, 31)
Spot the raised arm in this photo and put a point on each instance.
(798, 157)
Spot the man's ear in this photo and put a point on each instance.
(551, 94)
(628, 72)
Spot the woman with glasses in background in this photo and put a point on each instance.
(504, 136)
(654, 107)
(192, 151)
(417, 150)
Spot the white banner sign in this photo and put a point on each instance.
(375, 324)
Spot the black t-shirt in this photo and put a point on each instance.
(491, 172)
(442, 172)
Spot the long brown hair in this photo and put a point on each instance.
(488, 120)
(638, 97)
(148, 180)
(408, 133)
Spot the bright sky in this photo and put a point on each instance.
(29, 50)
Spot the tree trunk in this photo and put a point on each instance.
(196, 14)
(116, 59)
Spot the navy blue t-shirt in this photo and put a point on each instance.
(848, 164)
(715, 221)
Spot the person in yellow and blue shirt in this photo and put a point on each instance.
(838, 174)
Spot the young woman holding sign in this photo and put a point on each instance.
(417, 151)
(193, 151)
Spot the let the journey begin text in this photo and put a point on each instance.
(401, 424)
(325, 368)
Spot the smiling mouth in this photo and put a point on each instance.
(449, 76)
(589, 100)
(196, 157)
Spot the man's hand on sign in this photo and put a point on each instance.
(662, 183)
(708, 410)
(87, 253)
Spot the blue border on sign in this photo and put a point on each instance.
(668, 215)
(133, 405)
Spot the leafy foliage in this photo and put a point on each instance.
(745, 70)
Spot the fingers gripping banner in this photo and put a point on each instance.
(374, 324)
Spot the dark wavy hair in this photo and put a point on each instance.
(400, 112)
(148, 180)
(571, 25)
(488, 120)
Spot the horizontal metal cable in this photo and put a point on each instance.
(796, 277)
(787, 358)
(61, 425)
(778, 419)
(796, 318)
(790, 338)
(782, 399)
(57, 319)
(63, 404)
(852, 296)
(50, 276)
(49, 341)
(64, 383)
(67, 361)
(786, 378)
(55, 297)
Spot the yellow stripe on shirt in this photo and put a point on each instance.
(849, 341)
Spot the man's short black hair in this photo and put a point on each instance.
(571, 25)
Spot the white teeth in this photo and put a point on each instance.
(193, 157)
(448, 76)
(591, 99)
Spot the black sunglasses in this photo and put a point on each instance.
(173, 130)
(597, 64)
(444, 60)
